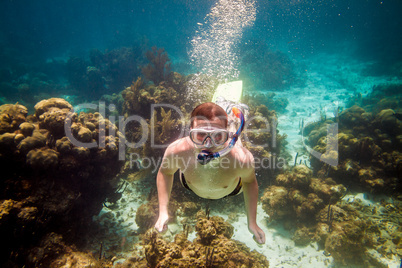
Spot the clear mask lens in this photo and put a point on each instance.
(217, 137)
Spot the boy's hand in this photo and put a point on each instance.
(161, 223)
(259, 235)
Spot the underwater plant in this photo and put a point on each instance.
(158, 68)
(105, 72)
(118, 66)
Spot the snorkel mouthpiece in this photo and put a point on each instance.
(206, 156)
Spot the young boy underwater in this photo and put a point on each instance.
(213, 167)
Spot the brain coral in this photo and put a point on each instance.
(43, 158)
(11, 116)
(49, 182)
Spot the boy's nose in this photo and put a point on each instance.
(208, 143)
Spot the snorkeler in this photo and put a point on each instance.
(210, 165)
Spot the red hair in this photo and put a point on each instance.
(209, 111)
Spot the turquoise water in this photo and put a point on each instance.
(309, 61)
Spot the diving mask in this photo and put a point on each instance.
(206, 156)
(217, 136)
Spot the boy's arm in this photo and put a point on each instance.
(250, 192)
(164, 183)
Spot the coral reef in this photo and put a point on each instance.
(48, 182)
(262, 138)
(105, 72)
(53, 252)
(369, 155)
(355, 228)
(163, 124)
(297, 194)
(260, 117)
(11, 117)
(344, 236)
(317, 210)
(118, 66)
(158, 68)
(383, 96)
(212, 248)
(268, 99)
(369, 149)
(51, 114)
(139, 97)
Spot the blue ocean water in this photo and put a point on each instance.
(308, 53)
(38, 32)
(53, 28)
